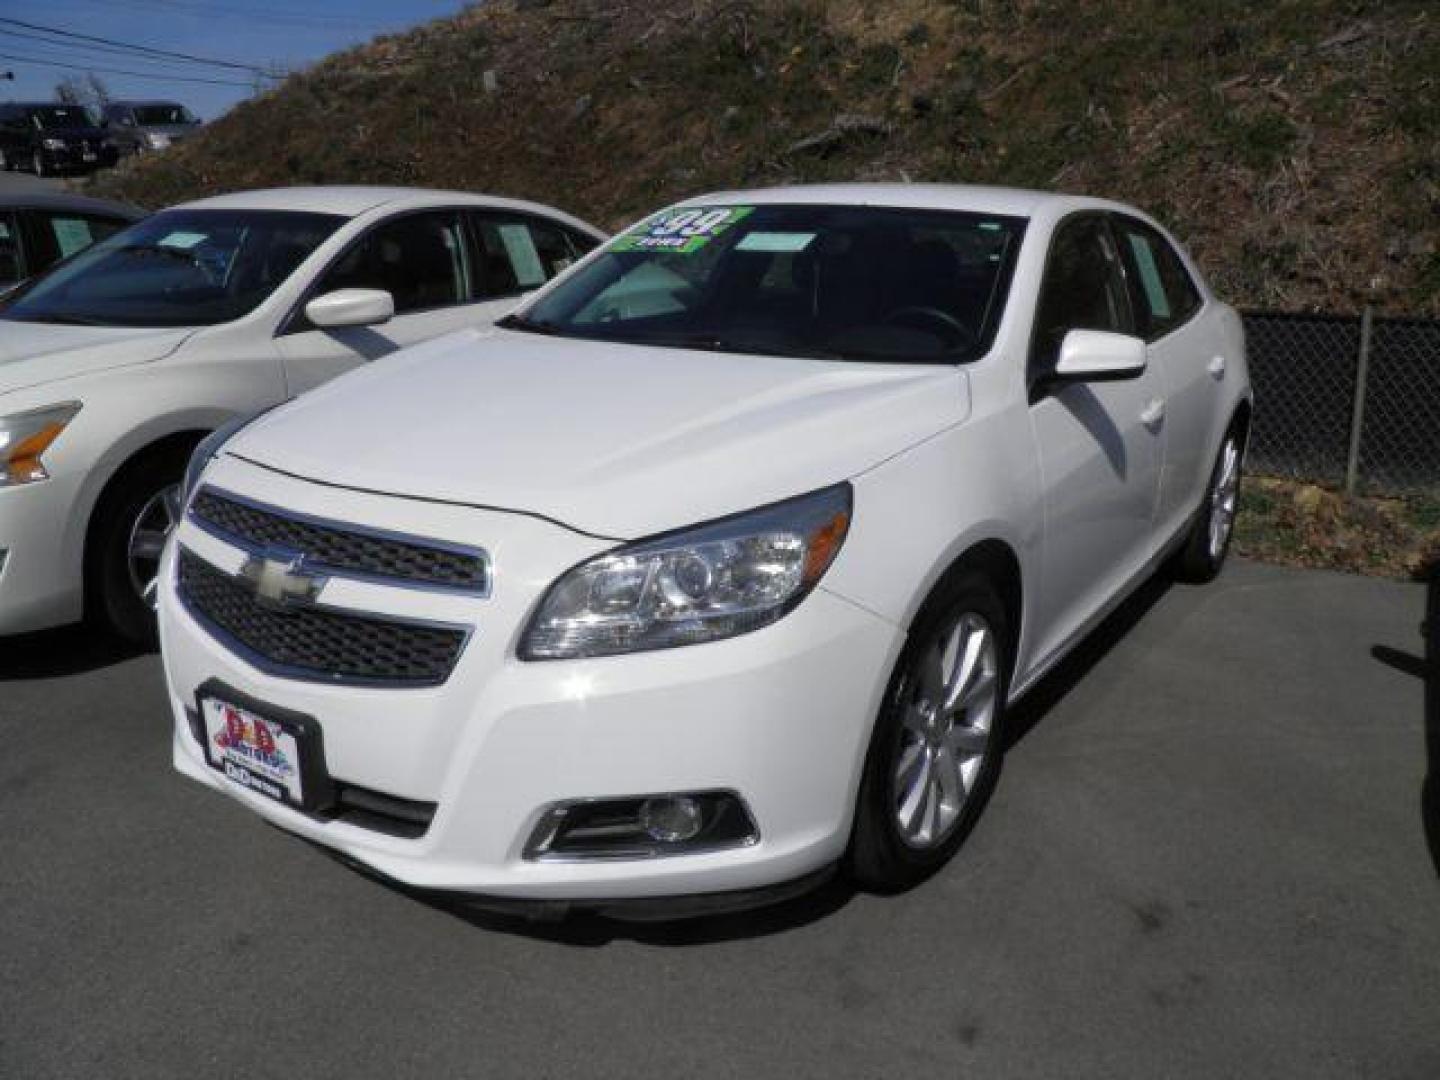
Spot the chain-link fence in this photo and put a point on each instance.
(1352, 401)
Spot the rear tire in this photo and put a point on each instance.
(37, 162)
(1202, 555)
(122, 558)
(907, 827)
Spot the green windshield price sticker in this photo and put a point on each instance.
(681, 231)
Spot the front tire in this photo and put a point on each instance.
(935, 753)
(1202, 556)
(131, 525)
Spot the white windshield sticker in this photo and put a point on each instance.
(776, 241)
(183, 240)
(524, 259)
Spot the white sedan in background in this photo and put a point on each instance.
(716, 565)
(114, 365)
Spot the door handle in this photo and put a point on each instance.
(1153, 414)
(1216, 367)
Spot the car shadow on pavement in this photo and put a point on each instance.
(54, 654)
(1068, 673)
(1426, 667)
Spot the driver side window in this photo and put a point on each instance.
(1083, 289)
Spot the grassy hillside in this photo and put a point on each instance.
(1294, 144)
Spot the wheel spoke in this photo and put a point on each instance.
(952, 785)
(147, 544)
(170, 498)
(968, 666)
(932, 674)
(912, 804)
(980, 689)
(966, 742)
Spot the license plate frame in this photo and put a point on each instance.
(307, 788)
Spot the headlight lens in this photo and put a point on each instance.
(702, 584)
(24, 438)
(53, 144)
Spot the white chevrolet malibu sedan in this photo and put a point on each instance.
(114, 365)
(715, 566)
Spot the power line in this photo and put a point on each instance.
(133, 47)
(118, 71)
(210, 11)
(103, 50)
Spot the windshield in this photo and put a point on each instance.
(838, 282)
(52, 117)
(178, 268)
(159, 115)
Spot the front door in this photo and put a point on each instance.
(1100, 444)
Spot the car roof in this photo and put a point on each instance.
(56, 200)
(981, 199)
(352, 201)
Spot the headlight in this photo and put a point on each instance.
(24, 438)
(157, 140)
(700, 584)
(53, 144)
(206, 450)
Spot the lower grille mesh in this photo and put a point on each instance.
(328, 646)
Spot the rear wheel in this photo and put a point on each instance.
(134, 519)
(935, 752)
(37, 162)
(1205, 548)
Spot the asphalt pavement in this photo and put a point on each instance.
(1207, 857)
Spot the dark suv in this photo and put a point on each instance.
(49, 138)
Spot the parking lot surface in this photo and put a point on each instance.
(1207, 857)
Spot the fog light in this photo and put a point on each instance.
(642, 827)
(671, 820)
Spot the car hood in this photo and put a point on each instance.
(614, 440)
(35, 353)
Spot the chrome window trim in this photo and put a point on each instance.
(482, 591)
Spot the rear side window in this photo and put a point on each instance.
(1165, 295)
(421, 260)
(517, 254)
(65, 234)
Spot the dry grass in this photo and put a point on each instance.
(1295, 145)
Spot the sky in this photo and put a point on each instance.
(242, 33)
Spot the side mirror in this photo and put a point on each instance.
(351, 307)
(1099, 356)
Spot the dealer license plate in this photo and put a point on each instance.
(254, 751)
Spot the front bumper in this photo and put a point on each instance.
(40, 581)
(781, 716)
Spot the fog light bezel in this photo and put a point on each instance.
(726, 825)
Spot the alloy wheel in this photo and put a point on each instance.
(949, 709)
(152, 527)
(1224, 495)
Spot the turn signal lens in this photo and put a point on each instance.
(24, 438)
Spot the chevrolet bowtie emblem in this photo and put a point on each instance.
(280, 582)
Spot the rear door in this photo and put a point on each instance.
(1100, 444)
(1183, 355)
